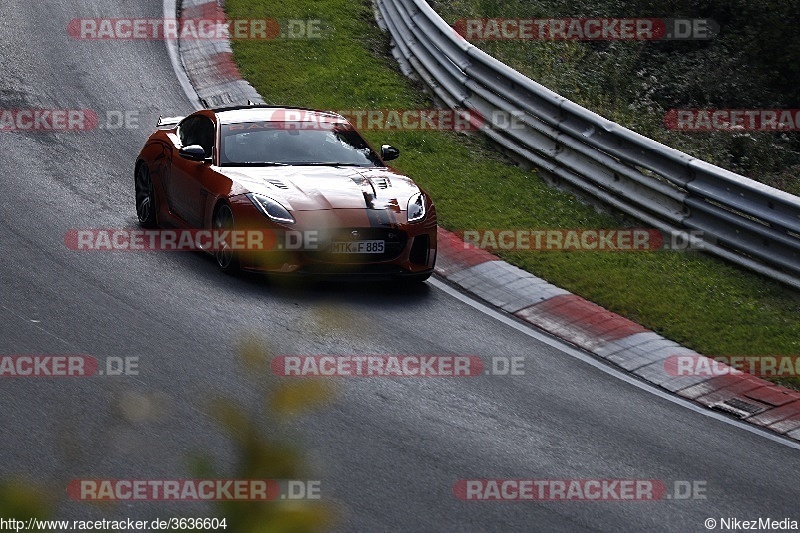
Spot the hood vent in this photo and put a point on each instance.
(279, 184)
(381, 183)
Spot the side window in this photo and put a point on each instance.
(185, 131)
(197, 130)
(205, 134)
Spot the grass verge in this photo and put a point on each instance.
(636, 83)
(708, 305)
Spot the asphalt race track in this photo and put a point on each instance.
(388, 451)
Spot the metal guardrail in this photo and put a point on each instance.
(741, 220)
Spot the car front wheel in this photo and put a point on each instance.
(226, 257)
(145, 198)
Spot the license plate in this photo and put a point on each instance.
(358, 247)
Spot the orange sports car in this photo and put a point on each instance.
(307, 178)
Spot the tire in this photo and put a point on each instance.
(145, 197)
(227, 259)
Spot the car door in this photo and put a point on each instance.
(186, 192)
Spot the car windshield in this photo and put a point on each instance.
(294, 143)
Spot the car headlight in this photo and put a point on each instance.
(273, 209)
(416, 207)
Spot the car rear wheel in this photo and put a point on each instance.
(145, 198)
(226, 257)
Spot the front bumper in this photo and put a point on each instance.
(304, 248)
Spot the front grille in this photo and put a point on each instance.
(394, 243)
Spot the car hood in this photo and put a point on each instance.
(309, 188)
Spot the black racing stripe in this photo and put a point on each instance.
(382, 218)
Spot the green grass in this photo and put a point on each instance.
(706, 304)
(636, 83)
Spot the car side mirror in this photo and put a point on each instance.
(389, 152)
(193, 152)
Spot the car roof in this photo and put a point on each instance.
(259, 113)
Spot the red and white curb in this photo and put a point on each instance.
(614, 338)
(209, 62)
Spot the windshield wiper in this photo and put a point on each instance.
(255, 164)
(328, 164)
